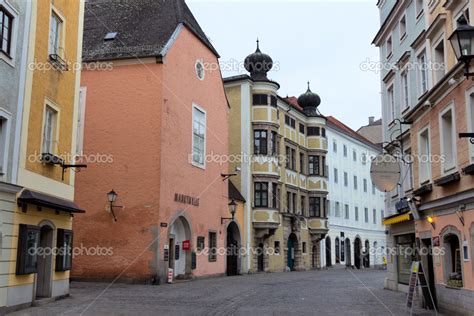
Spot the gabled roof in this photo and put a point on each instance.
(143, 28)
(343, 128)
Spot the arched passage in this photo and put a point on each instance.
(180, 259)
(367, 254)
(376, 257)
(233, 247)
(357, 252)
(336, 250)
(348, 252)
(328, 251)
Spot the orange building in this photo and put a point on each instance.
(154, 112)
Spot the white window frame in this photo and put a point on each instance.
(389, 47)
(195, 163)
(61, 29)
(81, 115)
(457, 14)
(469, 97)
(420, 71)
(5, 141)
(403, 35)
(10, 60)
(55, 127)
(429, 173)
(433, 52)
(419, 9)
(405, 95)
(391, 113)
(408, 171)
(445, 169)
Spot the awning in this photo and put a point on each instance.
(397, 218)
(49, 201)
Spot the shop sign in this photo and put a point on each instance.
(186, 245)
(436, 242)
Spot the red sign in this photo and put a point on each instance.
(436, 241)
(186, 245)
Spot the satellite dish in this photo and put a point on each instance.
(385, 172)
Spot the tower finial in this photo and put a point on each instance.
(308, 86)
(258, 44)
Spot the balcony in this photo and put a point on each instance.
(318, 226)
(266, 218)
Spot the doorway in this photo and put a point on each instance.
(337, 255)
(367, 254)
(328, 251)
(291, 253)
(357, 250)
(260, 262)
(428, 269)
(179, 258)
(45, 263)
(233, 249)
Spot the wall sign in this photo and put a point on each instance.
(436, 242)
(186, 199)
(176, 252)
(166, 254)
(186, 245)
(163, 225)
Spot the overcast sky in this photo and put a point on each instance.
(324, 42)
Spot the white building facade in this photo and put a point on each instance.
(356, 235)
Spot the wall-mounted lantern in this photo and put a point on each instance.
(431, 221)
(232, 209)
(112, 197)
(462, 41)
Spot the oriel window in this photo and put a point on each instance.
(314, 207)
(260, 142)
(261, 194)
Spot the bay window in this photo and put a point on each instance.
(261, 194)
(260, 142)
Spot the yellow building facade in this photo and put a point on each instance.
(279, 147)
(40, 244)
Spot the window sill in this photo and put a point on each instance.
(198, 165)
(405, 110)
(7, 59)
(403, 37)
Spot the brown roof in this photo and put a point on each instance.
(335, 123)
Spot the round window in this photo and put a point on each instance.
(200, 70)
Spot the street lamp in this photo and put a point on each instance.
(431, 221)
(112, 197)
(232, 209)
(462, 41)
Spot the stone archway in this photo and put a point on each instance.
(328, 252)
(357, 252)
(233, 249)
(44, 277)
(180, 259)
(452, 258)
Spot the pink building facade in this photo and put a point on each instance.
(157, 113)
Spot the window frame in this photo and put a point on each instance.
(402, 35)
(198, 164)
(405, 90)
(23, 253)
(314, 166)
(8, 12)
(64, 255)
(427, 179)
(212, 243)
(445, 169)
(61, 39)
(469, 97)
(262, 148)
(260, 99)
(6, 118)
(422, 71)
(391, 101)
(314, 209)
(434, 47)
(50, 106)
(263, 194)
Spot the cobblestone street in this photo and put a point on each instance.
(329, 292)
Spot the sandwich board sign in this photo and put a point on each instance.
(418, 280)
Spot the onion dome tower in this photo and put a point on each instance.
(310, 101)
(258, 64)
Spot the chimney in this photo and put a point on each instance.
(371, 120)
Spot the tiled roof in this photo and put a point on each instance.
(143, 27)
(335, 123)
